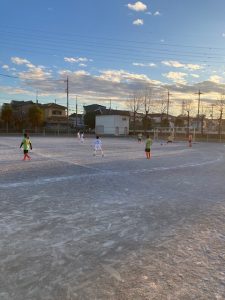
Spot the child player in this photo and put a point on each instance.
(98, 146)
(148, 147)
(26, 144)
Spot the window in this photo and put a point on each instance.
(57, 112)
(124, 119)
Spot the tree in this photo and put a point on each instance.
(36, 116)
(179, 122)
(89, 119)
(7, 115)
(165, 123)
(147, 123)
(134, 103)
(220, 105)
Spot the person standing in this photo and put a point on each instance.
(148, 145)
(26, 144)
(139, 137)
(98, 146)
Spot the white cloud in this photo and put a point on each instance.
(5, 67)
(216, 79)
(124, 76)
(76, 59)
(148, 13)
(177, 77)
(177, 64)
(81, 73)
(83, 65)
(223, 34)
(138, 6)
(157, 13)
(34, 74)
(144, 65)
(19, 61)
(195, 75)
(138, 22)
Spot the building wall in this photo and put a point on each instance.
(112, 124)
(49, 112)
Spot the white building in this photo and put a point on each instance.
(112, 122)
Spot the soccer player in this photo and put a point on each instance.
(148, 145)
(98, 146)
(26, 144)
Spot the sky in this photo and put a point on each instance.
(112, 51)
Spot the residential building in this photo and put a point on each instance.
(112, 122)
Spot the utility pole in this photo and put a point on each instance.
(188, 121)
(36, 97)
(76, 112)
(67, 102)
(110, 104)
(182, 107)
(199, 99)
(168, 103)
(212, 111)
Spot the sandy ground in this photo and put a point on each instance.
(75, 226)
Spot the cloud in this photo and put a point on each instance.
(157, 13)
(223, 34)
(35, 73)
(83, 65)
(138, 22)
(195, 75)
(5, 67)
(144, 65)
(177, 64)
(19, 61)
(177, 77)
(76, 59)
(216, 79)
(138, 6)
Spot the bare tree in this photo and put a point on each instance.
(147, 105)
(135, 103)
(220, 105)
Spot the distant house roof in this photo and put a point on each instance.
(160, 115)
(115, 112)
(53, 105)
(74, 115)
(20, 103)
(94, 107)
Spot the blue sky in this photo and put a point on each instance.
(111, 50)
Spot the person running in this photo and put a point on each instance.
(148, 145)
(26, 144)
(82, 137)
(98, 146)
(78, 135)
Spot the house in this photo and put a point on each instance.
(77, 121)
(94, 108)
(112, 122)
(157, 119)
(20, 109)
(54, 115)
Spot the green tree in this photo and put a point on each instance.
(179, 122)
(165, 123)
(89, 119)
(7, 115)
(36, 116)
(147, 123)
